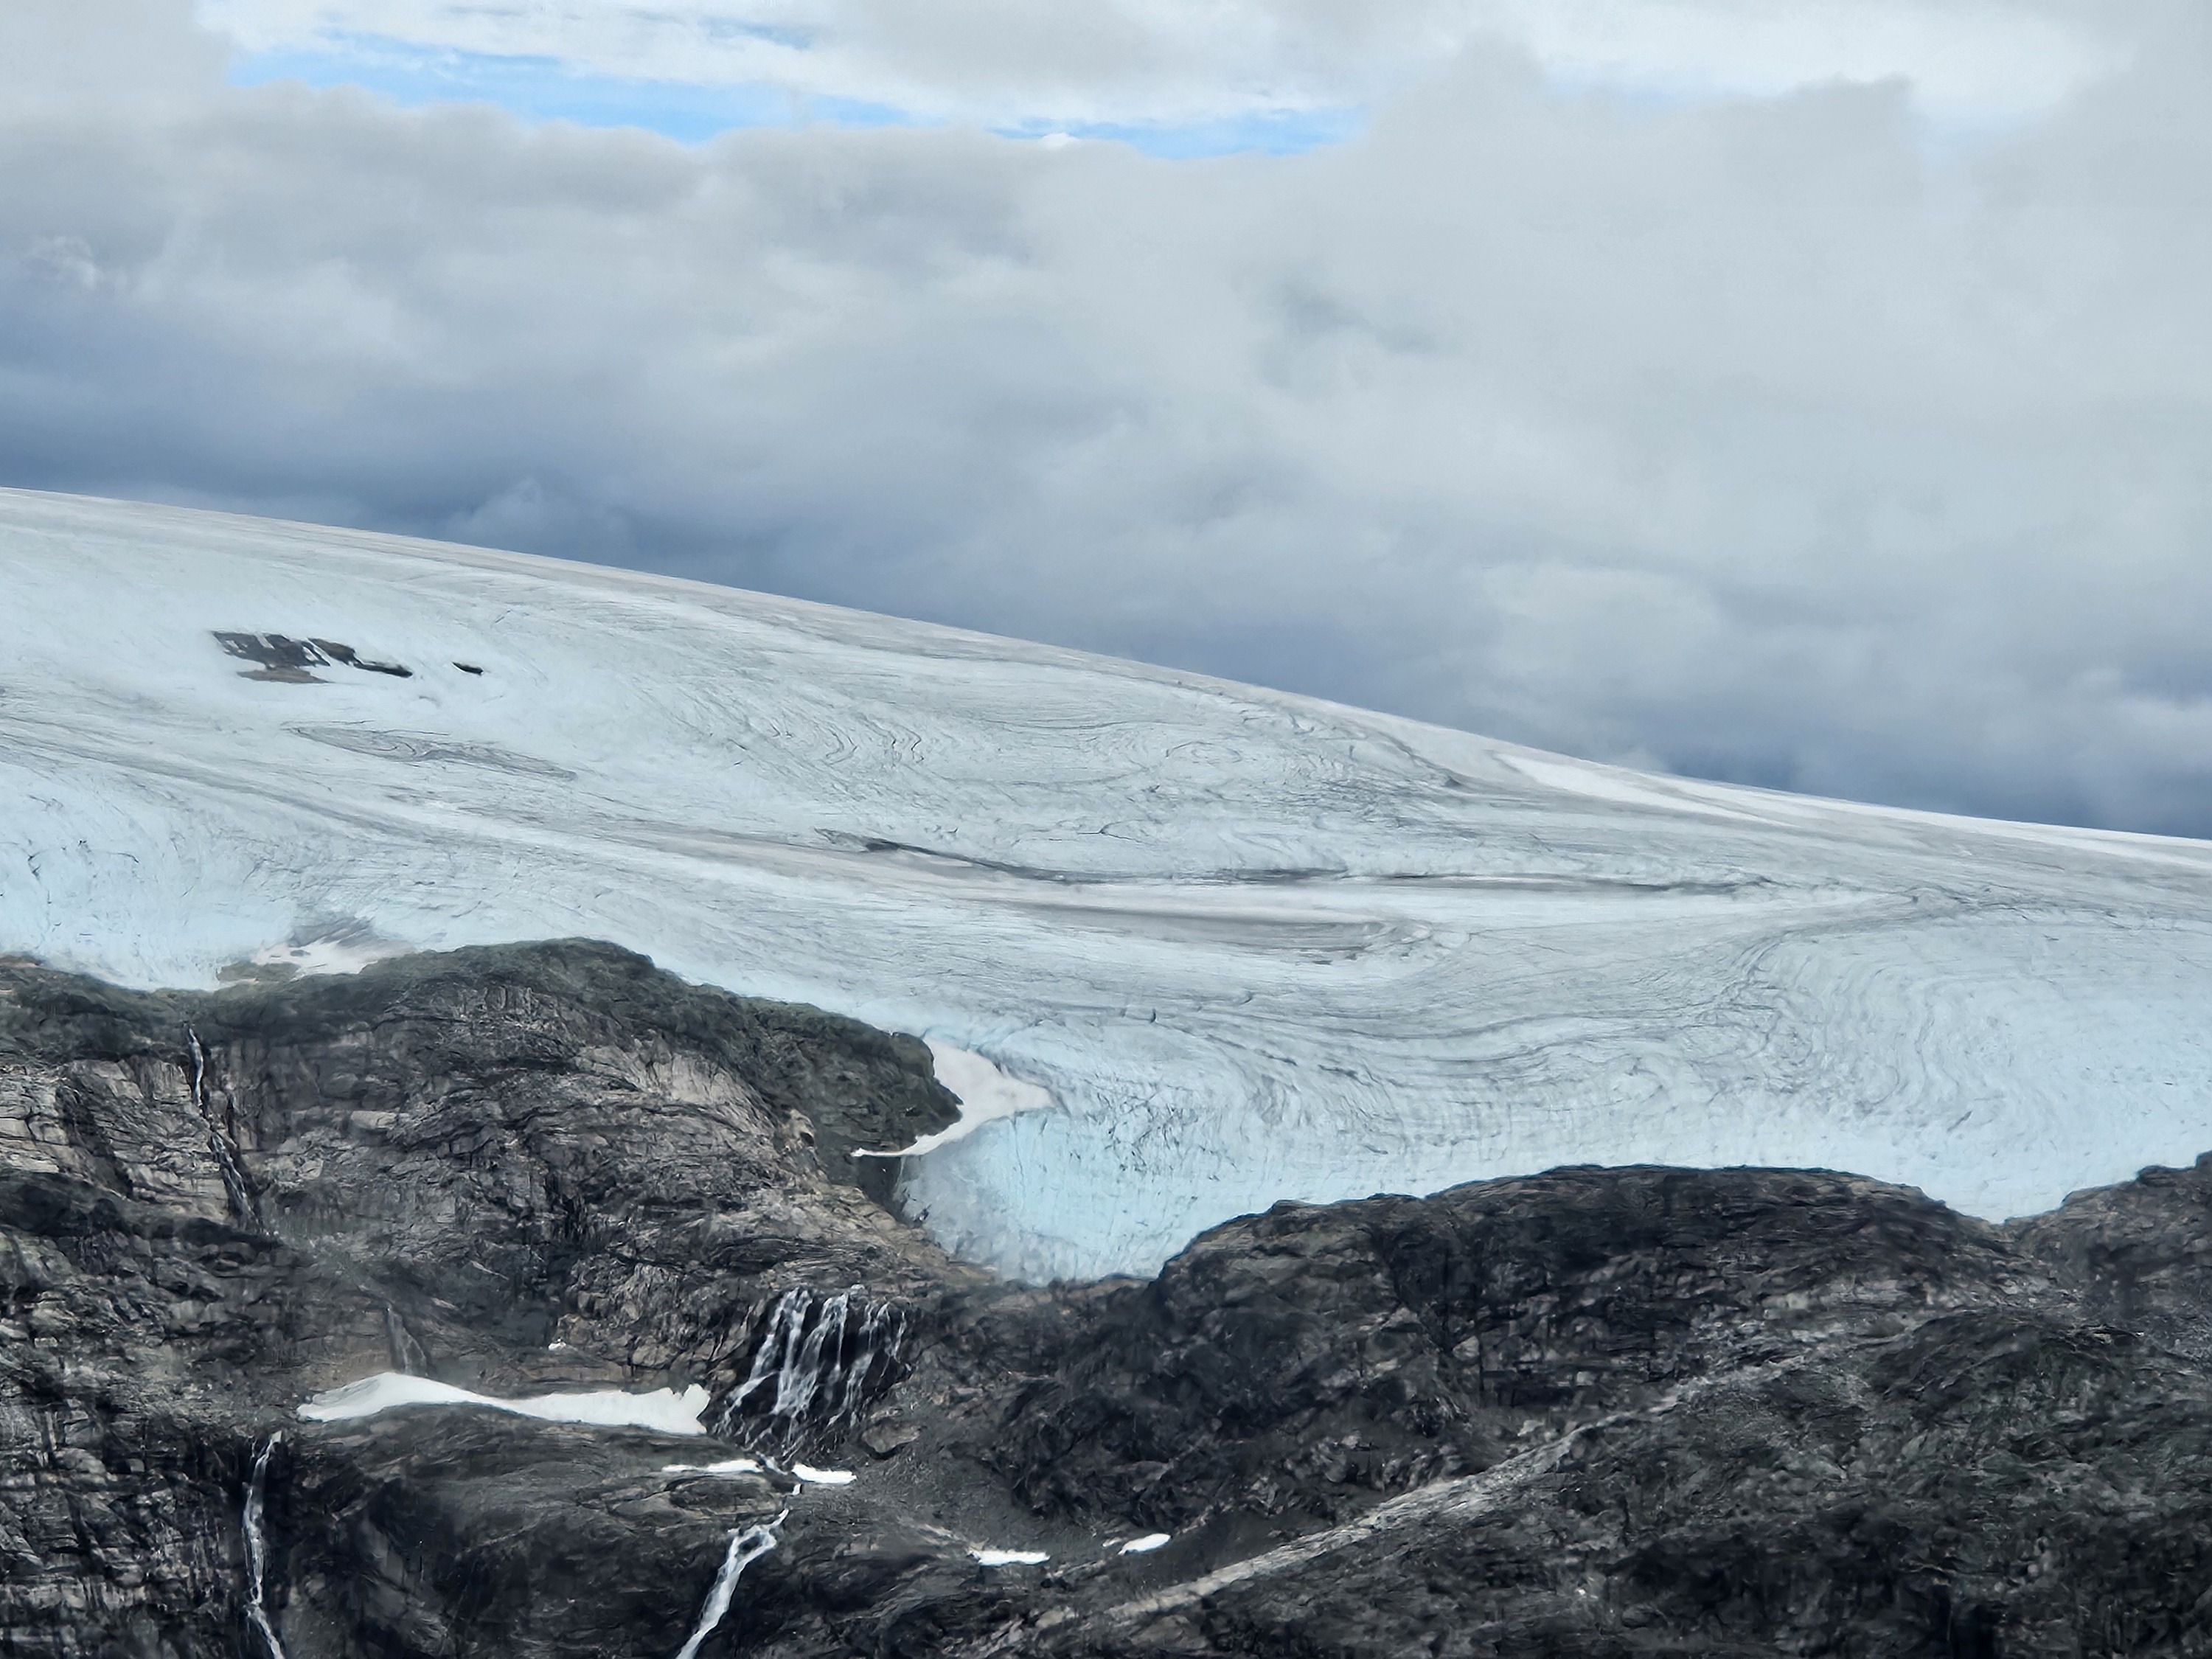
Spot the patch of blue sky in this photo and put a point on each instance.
(540, 88)
(546, 89)
(1270, 132)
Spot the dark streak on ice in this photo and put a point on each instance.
(413, 747)
(878, 844)
(1299, 876)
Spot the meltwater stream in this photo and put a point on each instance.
(745, 1548)
(235, 1187)
(257, 1551)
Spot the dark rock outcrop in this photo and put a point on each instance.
(517, 1172)
(1595, 1412)
(2140, 1255)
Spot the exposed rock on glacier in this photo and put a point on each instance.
(1254, 946)
(1592, 1412)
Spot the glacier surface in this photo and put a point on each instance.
(1249, 945)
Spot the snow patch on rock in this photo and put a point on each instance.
(986, 1095)
(663, 1410)
(727, 1466)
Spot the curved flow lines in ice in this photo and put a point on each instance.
(411, 748)
(1253, 946)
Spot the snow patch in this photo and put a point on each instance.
(325, 955)
(662, 1410)
(814, 1477)
(990, 1558)
(727, 1466)
(1146, 1545)
(986, 1095)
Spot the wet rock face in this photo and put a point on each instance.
(1591, 1411)
(517, 1172)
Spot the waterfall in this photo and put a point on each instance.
(881, 1328)
(790, 1313)
(745, 1548)
(407, 1356)
(257, 1551)
(226, 1155)
(826, 1356)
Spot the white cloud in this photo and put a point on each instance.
(1741, 436)
(1149, 61)
(1966, 62)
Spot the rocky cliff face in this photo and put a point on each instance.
(1588, 1413)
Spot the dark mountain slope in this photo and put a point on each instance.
(1594, 1412)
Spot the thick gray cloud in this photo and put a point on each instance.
(1747, 438)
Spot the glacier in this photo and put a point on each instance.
(1237, 945)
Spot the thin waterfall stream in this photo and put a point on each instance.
(226, 1155)
(745, 1548)
(257, 1551)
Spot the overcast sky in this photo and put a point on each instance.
(1816, 395)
